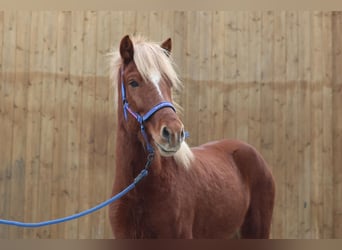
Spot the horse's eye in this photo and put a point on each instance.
(134, 84)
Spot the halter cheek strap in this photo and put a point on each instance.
(142, 118)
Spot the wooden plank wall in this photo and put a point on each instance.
(270, 78)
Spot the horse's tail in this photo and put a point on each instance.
(257, 222)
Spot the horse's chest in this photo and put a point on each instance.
(141, 224)
(151, 218)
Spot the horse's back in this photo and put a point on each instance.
(242, 155)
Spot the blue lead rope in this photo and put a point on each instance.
(142, 174)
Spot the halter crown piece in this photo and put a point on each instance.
(141, 118)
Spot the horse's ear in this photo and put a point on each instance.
(126, 49)
(167, 45)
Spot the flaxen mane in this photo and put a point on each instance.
(149, 58)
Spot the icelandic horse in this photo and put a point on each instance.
(221, 189)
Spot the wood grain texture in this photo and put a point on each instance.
(337, 122)
(279, 105)
(304, 125)
(271, 78)
(60, 157)
(7, 109)
(34, 116)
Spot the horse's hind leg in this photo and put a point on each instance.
(257, 222)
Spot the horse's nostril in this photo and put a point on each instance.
(166, 133)
(182, 134)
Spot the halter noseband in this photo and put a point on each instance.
(142, 118)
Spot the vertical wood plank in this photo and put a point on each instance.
(60, 157)
(34, 92)
(267, 86)
(101, 126)
(337, 121)
(9, 91)
(7, 104)
(291, 132)
(304, 125)
(47, 120)
(279, 158)
(205, 84)
(178, 53)
(19, 119)
(142, 23)
(154, 27)
(254, 78)
(129, 20)
(231, 73)
(167, 26)
(87, 122)
(1, 42)
(74, 120)
(216, 106)
(316, 132)
(192, 84)
(116, 28)
(167, 30)
(327, 99)
(242, 93)
(2, 86)
(267, 89)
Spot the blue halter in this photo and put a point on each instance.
(141, 118)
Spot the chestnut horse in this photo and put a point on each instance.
(221, 189)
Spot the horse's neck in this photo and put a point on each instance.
(128, 148)
(131, 156)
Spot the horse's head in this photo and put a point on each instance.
(147, 75)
